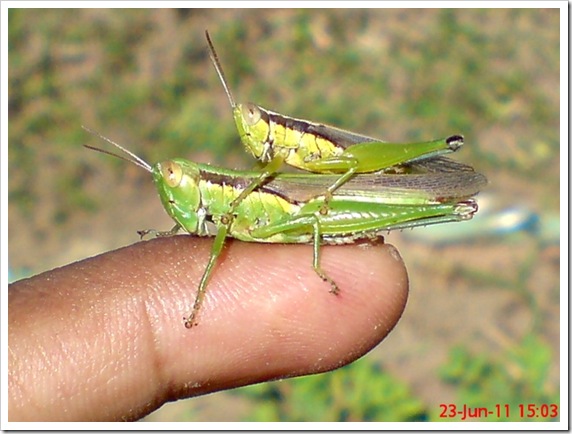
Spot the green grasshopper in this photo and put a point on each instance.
(286, 208)
(275, 139)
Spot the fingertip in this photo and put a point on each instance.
(267, 306)
(266, 315)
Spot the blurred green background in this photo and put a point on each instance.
(482, 324)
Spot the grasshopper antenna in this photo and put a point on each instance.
(134, 158)
(218, 67)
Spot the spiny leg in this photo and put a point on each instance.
(215, 253)
(330, 191)
(347, 166)
(297, 224)
(268, 170)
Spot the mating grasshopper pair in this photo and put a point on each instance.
(361, 188)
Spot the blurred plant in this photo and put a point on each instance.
(361, 391)
(517, 377)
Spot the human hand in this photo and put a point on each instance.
(104, 339)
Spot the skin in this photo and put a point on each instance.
(103, 339)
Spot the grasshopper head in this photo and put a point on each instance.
(177, 182)
(254, 129)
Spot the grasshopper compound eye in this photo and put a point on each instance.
(251, 114)
(172, 173)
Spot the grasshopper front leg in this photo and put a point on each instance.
(160, 234)
(218, 244)
(270, 169)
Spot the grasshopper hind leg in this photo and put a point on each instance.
(296, 224)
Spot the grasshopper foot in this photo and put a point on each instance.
(190, 321)
(159, 234)
(333, 286)
(325, 208)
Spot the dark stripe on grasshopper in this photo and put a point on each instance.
(338, 137)
(240, 183)
(285, 121)
(222, 179)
